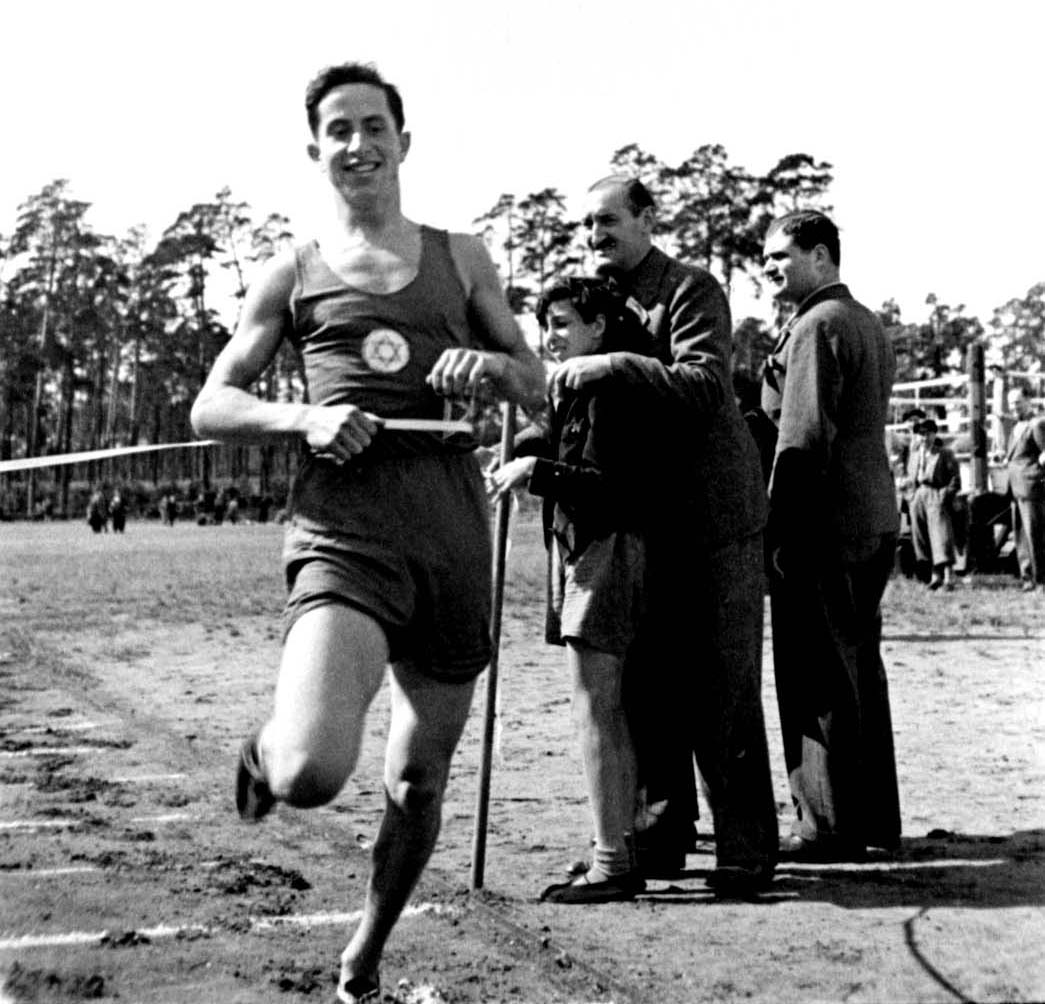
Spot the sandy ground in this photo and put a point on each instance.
(131, 667)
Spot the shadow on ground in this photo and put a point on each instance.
(942, 868)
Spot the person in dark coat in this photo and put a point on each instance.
(832, 539)
(597, 472)
(118, 512)
(97, 513)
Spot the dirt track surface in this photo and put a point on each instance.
(132, 666)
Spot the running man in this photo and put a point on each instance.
(387, 549)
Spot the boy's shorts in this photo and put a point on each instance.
(404, 540)
(598, 596)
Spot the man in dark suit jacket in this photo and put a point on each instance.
(832, 539)
(694, 675)
(1026, 470)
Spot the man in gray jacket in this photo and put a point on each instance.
(832, 540)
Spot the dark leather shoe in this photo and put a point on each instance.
(821, 851)
(739, 882)
(254, 798)
(617, 889)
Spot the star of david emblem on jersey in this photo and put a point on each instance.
(386, 351)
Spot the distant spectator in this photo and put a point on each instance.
(118, 512)
(936, 483)
(169, 509)
(1025, 458)
(220, 506)
(906, 462)
(264, 508)
(97, 513)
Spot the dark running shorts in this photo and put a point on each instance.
(597, 598)
(406, 541)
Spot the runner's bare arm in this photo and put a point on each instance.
(509, 363)
(226, 409)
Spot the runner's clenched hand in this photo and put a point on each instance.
(458, 372)
(340, 431)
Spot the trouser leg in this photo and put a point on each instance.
(728, 727)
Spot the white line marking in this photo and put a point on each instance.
(71, 727)
(45, 824)
(52, 751)
(890, 866)
(40, 824)
(146, 778)
(170, 817)
(166, 931)
(36, 873)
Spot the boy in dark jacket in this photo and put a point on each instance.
(594, 468)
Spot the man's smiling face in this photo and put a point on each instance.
(357, 144)
(619, 239)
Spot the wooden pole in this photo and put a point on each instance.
(977, 414)
(500, 551)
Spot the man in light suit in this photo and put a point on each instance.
(832, 540)
(693, 682)
(1026, 468)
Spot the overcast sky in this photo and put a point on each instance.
(931, 112)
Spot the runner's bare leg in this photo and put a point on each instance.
(428, 717)
(333, 664)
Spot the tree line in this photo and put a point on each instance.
(105, 341)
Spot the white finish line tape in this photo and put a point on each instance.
(31, 463)
(167, 931)
(447, 426)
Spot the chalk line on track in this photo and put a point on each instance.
(71, 727)
(38, 873)
(51, 751)
(163, 931)
(147, 778)
(53, 824)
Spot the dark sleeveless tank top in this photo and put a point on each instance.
(374, 350)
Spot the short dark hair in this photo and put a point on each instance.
(636, 194)
(350, 73)
(592, 297)
(913, 414)
(807, 228)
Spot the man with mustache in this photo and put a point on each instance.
(694, 671)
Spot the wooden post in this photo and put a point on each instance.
(500, 551)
